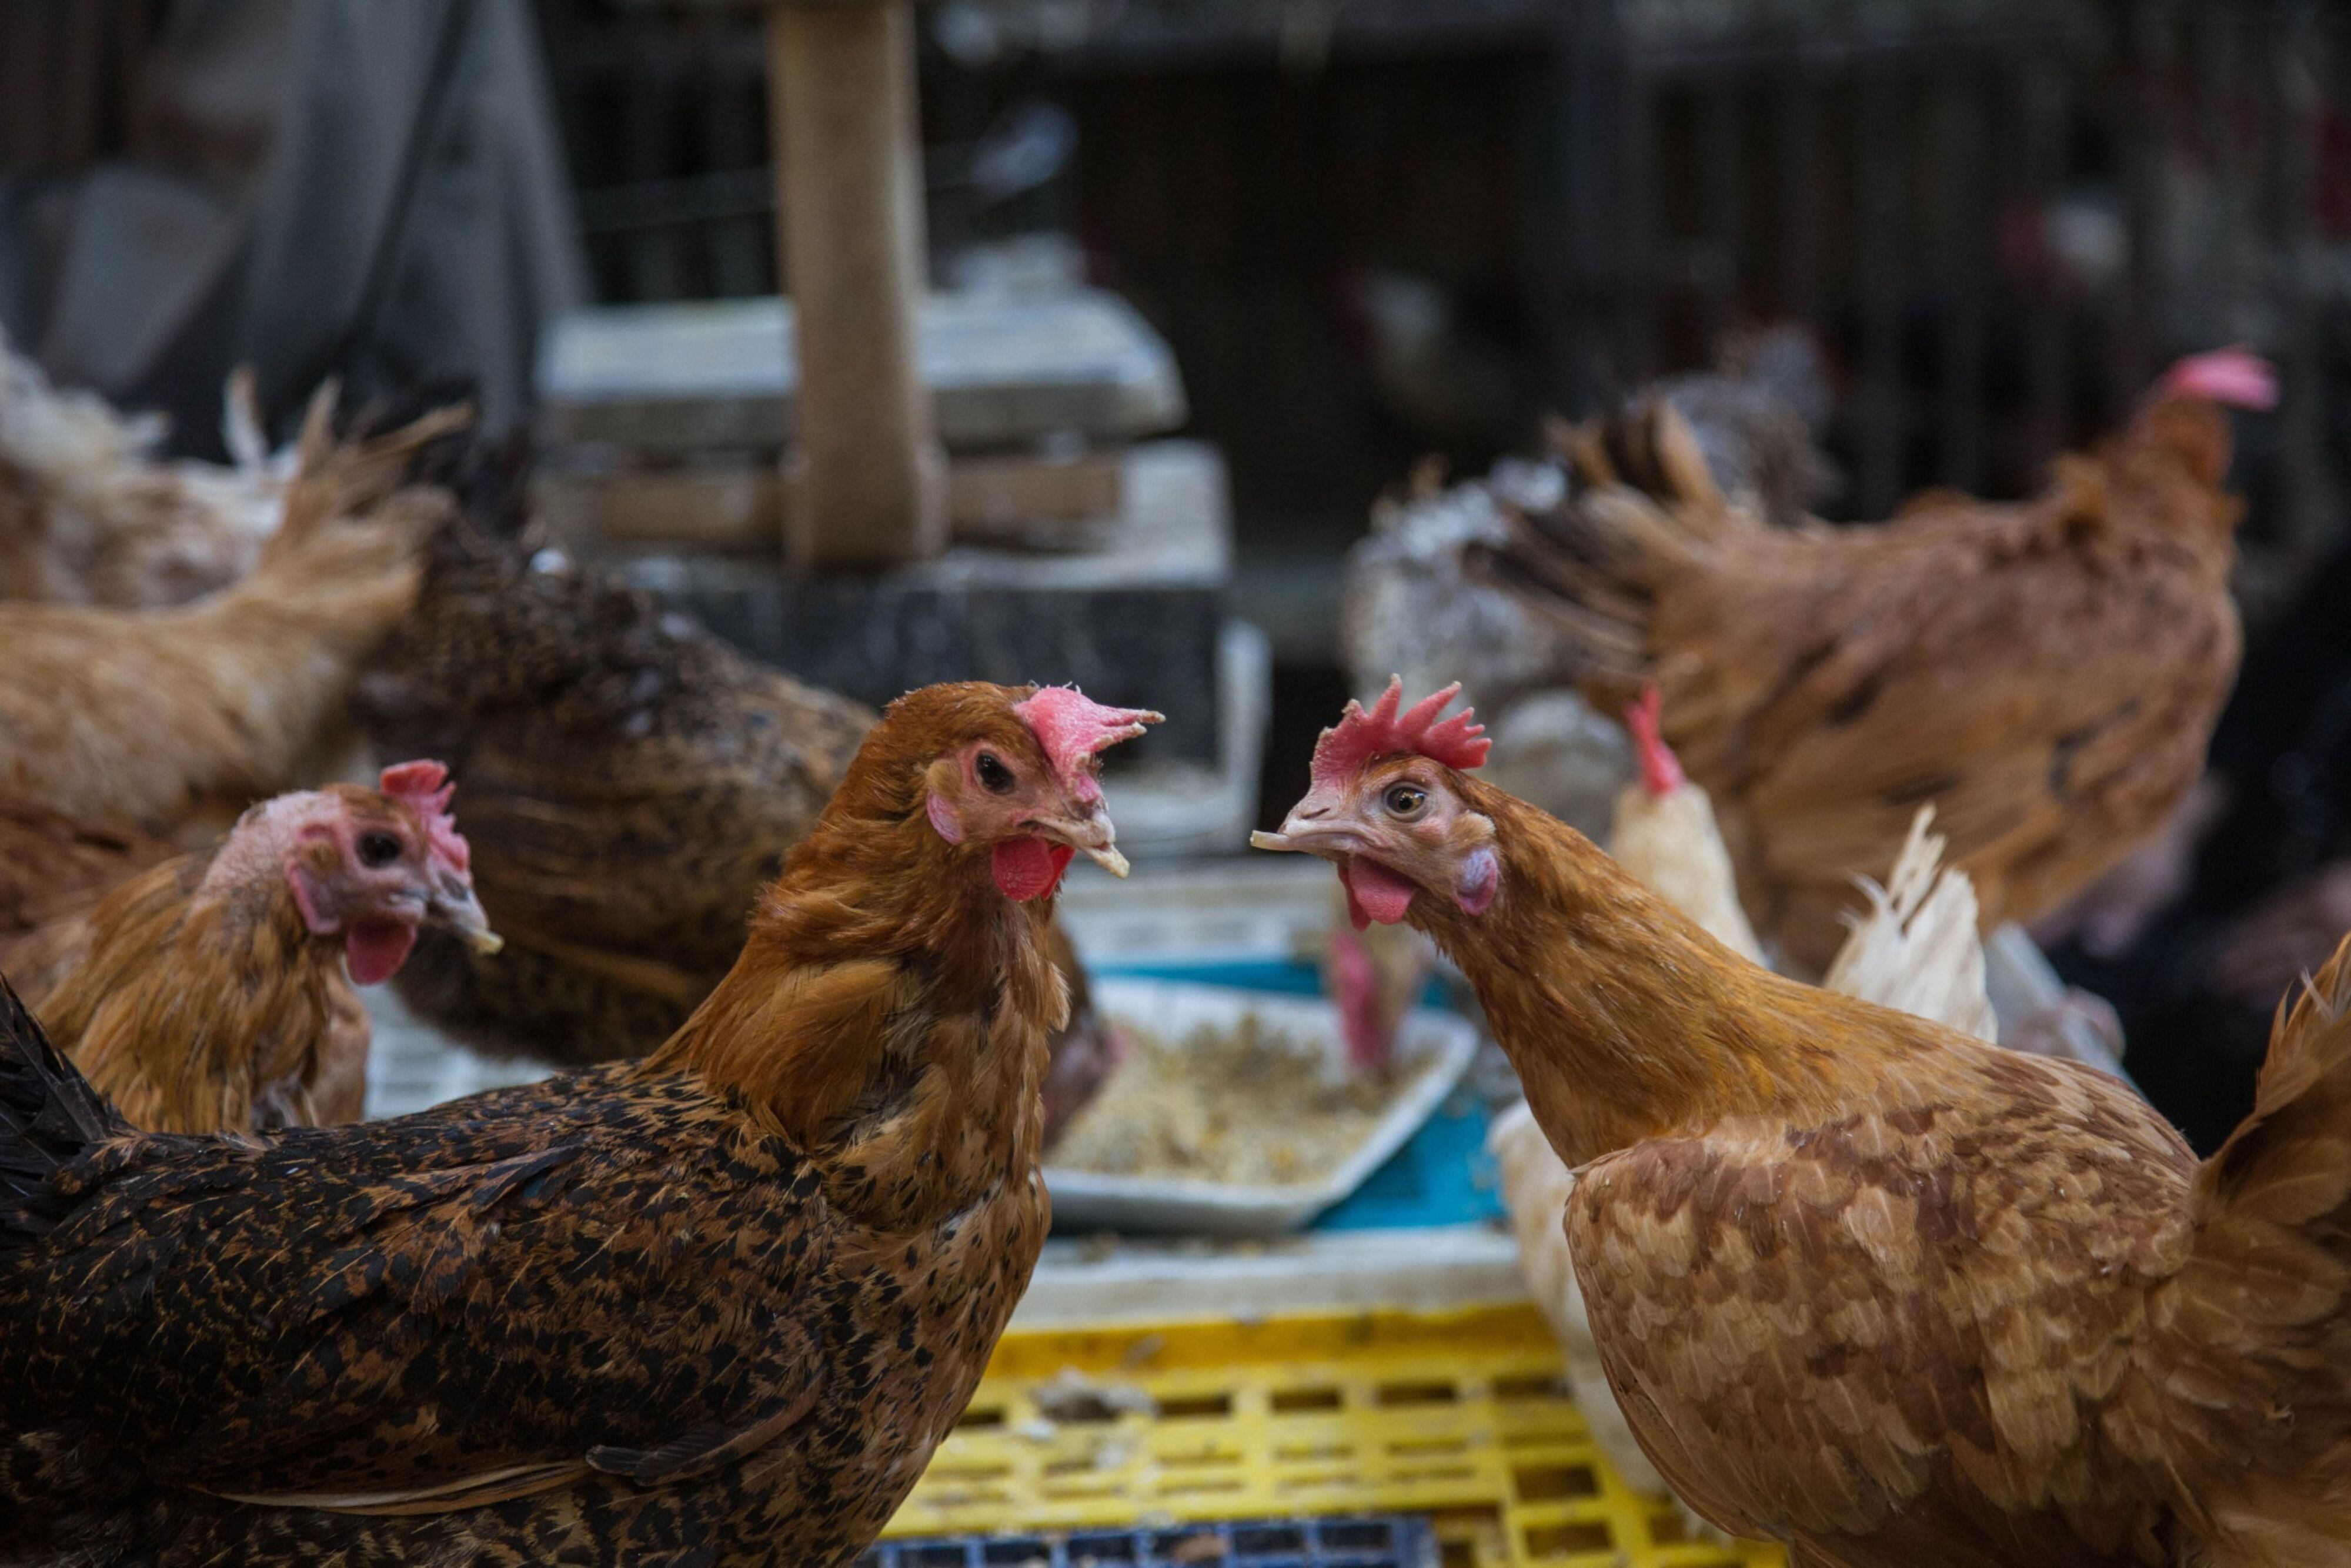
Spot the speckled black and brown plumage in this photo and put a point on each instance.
(630, 782)
(715, 1307)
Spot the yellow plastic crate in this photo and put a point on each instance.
(1461, 1416)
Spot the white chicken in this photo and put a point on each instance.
(1914, 949)
(89, 515)
(1665, 834)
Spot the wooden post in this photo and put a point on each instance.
(867, 474)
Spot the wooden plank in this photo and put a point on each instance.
(718, 375)
(870, 472)
(1032, 501)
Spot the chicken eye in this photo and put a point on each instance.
(995, 777)
(378, 849)
(1403, 800)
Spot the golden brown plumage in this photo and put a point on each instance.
(717, 1306)
(209, 993)
(53, 869)
(177, 719)
(1878, 1289)
(2046, 673)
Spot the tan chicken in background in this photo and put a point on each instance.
(211, 992)
(175, 720)
(90, 515)
(2044, 673)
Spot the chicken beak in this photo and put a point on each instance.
(1091, 835)
(1314, 827)
(460, 914)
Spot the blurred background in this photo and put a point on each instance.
(1241, 269)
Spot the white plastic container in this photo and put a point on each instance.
(1434, 1046)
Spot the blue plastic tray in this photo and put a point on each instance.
(1362, 1541)
(1442, 1176)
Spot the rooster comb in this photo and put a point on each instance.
(426, 788)
(2235, 375)
(1359, 737)
(1073, 727)
(1661, 771)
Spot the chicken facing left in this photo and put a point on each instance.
(718, 1305)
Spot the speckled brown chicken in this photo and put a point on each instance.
(715, 1307)
(630, 782)
(2046, 673)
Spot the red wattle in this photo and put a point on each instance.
(1028, 868)
(374, 949)
(1375, 893)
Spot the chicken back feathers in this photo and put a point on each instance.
(176, 719)
(722, 1303)
(2046, 673)
(632, 782)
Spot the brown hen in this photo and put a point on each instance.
(717, 1306)
(90, 515)
(1864, 1284)
(212, 993)
(176, 720)
(2046, 673)
(54, 869)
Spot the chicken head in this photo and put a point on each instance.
(1382, 807)
(367, 866)
(1028, 790)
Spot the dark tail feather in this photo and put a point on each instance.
(49, 1111)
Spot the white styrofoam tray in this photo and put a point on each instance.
(1435, 1046)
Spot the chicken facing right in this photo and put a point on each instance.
(1861, 1283)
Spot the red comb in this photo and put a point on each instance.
(1359, 738)
(2234, 376)
(1073, 727)
(425, 786)
(1661, 771)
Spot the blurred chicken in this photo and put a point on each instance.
(1747, 431)
(715, 1307)
(1917, 950)
(1665, 837)
(2046, 673)
(175, 720)
(89, 515)
(212, 993)
(630, 782)
(53, 869)
(1374, 975)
